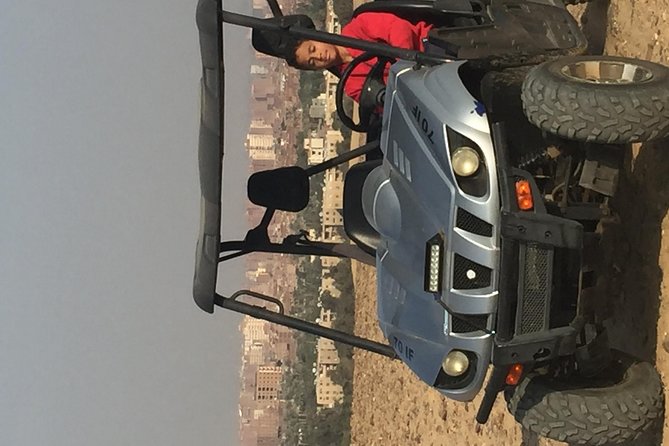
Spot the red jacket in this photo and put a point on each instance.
(382, 27)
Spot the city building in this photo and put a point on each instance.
(315, 149)
(254, 330)
(268, 421)
(256, 353)
(328, 285)
(318, 107)
(328, 393)
(268, 383)
(260, 141)
(332, 138)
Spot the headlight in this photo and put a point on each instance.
(465, 161)
(456, 363)
(434, 261)
(458, 370)
(468, 164)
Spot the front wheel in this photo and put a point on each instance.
(619, 406)
(599, 99)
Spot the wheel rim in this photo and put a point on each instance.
(606, 72)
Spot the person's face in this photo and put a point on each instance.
(313, 55)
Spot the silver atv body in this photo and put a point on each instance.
(412, 197)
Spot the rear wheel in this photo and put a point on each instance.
(619, 406)
(599, 99)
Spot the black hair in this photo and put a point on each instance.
(291, 56)
(279, 42)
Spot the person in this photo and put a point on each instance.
(381, 27)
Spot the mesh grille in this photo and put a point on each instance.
(471, 223)
(468, 275)
(468, 323)
(536, 289)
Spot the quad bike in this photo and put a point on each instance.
(501, 146)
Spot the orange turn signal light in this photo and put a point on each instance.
(514, 374)
(524, 195)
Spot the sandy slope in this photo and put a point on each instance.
(391, 407)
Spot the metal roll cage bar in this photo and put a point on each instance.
(210, 250)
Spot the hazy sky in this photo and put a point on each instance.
(100, 341)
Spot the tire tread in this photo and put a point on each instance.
(621, 414)
(584, 112)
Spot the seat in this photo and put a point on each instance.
(356, 225)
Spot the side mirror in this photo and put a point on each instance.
(285, 189)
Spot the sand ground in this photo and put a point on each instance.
(391, 407)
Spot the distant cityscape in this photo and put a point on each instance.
(275, 138)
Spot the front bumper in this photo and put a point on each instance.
(539, 274)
